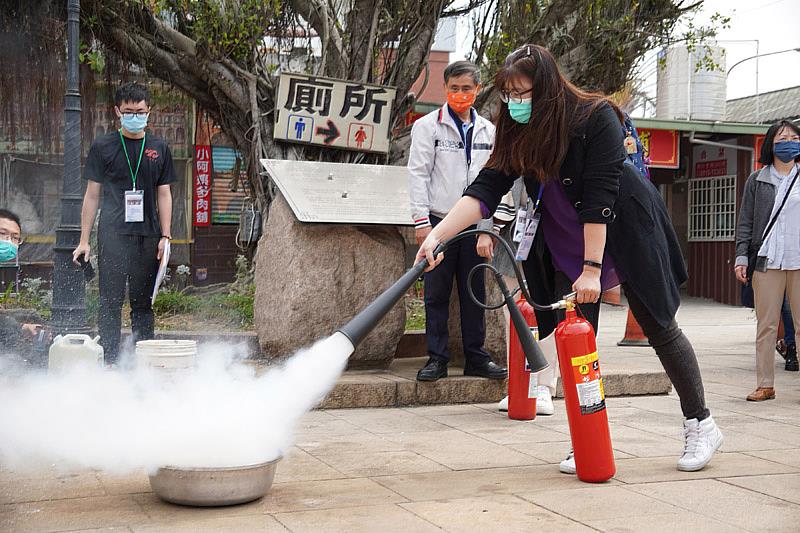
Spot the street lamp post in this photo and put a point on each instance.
(69, 291)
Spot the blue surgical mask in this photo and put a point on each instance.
(520, 111)
(787, 150)
(133, 123)
(8, 251)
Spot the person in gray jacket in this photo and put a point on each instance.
(768, 245)
(449, 146)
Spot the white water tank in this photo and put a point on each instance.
(686, 92)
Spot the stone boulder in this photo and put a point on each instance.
(495, 342)
(312, 278)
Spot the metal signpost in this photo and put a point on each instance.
(343, 193)
(334, 113)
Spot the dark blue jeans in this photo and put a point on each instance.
(459, 259)
(788, 323)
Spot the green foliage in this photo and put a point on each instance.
(415, 313)
(172, 302)
(31, 295)
(231, 29)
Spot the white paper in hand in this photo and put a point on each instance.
(162, 270)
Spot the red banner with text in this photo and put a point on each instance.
(201, 204)
(661, 147)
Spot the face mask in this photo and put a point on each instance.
(520, 112)
(133, 124)
(460, 102)
(8, 251)
(787, 150)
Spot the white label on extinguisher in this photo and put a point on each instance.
(589, 384)
(535, 333)
(533, 381)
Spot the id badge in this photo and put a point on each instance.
(519, 227)
(531, 225)
(134, 206)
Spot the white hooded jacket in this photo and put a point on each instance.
(438, 172)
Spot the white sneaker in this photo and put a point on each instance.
(544, 402)
(702, 440)
(567, 466)
(503, 404)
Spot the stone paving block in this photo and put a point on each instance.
(598, 503)
(41, 485)
(72, 514)
(397, 421)
(406, 393)
(733, 505)
(641, 470)
(460, 390)
(226, 524)
(160, 511)
(339, 493)
(643, 443)
(458, 450)
(781, 486)
(664, 523)
(299, 465)
(381, 463)
(373, 394)
(501, 514)
(131, 483)
(554, 452)
(359, 441)
(789, 457)
(480, 483)
(383, 518)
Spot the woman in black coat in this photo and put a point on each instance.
(601, 222)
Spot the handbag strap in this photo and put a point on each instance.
(780, 207)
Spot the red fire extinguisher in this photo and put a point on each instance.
(585, 398)
(521, 384)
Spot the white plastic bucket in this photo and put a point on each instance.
(167, 356)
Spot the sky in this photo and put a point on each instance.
(756, 27)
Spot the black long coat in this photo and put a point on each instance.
(604, 189)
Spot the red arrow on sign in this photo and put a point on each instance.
(331, 133)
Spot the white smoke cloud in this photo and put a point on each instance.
(218, 416)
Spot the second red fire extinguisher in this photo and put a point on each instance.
(585, 398)
(521, 383)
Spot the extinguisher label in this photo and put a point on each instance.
(533, 381)
(535, 333)
(589, 383)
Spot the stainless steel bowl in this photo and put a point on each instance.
(213, 487)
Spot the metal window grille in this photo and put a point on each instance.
(712, 209)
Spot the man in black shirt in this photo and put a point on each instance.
(132, 171)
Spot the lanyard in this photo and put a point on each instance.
(128, 159)
(538, 199)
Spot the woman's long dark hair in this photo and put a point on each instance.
(538, 148)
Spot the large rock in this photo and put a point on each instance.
(495, 342)
(312, 278)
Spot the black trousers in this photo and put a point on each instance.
(125, 260)
(672, 347)
(459, 259)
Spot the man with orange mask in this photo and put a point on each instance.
(449, 147)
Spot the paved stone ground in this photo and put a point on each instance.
(469, 468)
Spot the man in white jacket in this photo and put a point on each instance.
(449, 147)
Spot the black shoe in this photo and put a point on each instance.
(791, 358)
(486, 370)
(435, 369)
